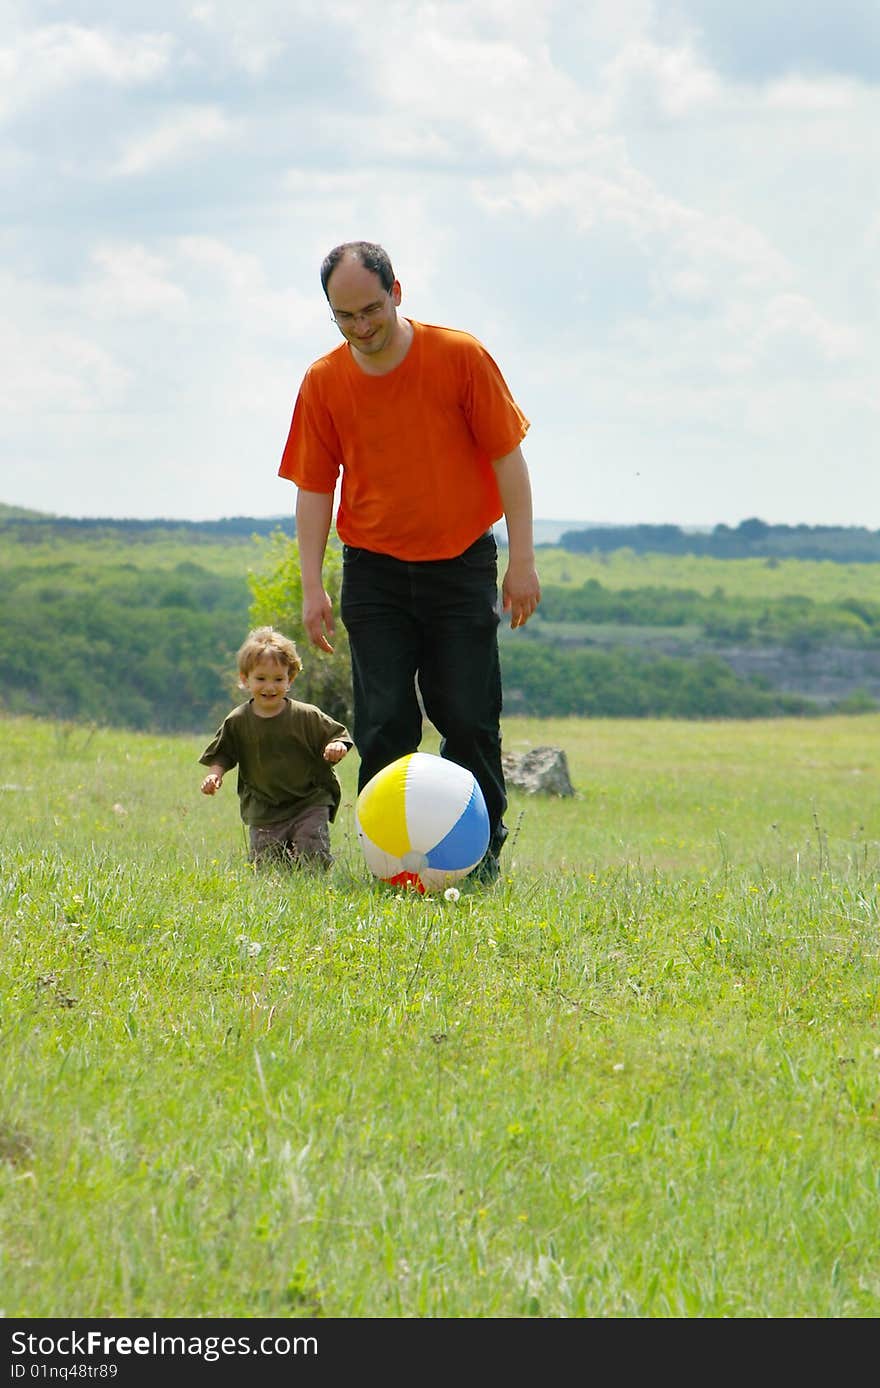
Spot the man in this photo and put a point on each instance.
(427, 436)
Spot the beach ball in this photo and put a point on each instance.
(422, 822)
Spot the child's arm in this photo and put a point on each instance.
(335, 750)
(214, 780)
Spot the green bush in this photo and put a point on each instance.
(276, 590)
(631, 684)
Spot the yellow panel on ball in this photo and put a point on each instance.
(381, 808)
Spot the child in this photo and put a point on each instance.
(284, 750)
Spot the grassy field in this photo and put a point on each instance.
(639, 1077)
(821, 580)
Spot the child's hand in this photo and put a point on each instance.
(335, 751)
(211, 784)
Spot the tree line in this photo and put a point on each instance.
(751, 539)
(38, 529)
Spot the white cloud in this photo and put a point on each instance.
(816, 94)
(237, 282)
(649, 81)
(131, 280)
(180, 134)
(497, 93)
(51, 366)
(712, 248)
(58, 56)
(258, 36)
(791, 320)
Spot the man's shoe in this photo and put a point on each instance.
(487, 871)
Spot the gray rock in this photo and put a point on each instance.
(542, 771)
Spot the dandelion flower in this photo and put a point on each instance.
(451, 894)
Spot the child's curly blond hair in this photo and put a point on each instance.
(267, 643)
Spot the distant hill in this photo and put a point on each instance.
(750, 539)
(551, 532)
(16, 520)
(17, 512)
(547, 532)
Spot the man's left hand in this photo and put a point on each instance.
(520, 592)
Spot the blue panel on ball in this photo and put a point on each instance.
(467, 840)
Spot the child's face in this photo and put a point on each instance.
(268, 682)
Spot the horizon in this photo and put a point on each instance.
(540, 523)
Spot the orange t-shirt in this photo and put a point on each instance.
(416, 445)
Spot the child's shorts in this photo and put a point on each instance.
(304, 839)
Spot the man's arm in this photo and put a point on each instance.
(314, 512)
(521, 588)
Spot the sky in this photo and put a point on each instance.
(661, 217)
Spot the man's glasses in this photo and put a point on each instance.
(348, 320)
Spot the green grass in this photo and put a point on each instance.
(637, 1078)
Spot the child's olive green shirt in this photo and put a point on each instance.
(280, 760)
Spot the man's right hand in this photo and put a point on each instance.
(317, 613)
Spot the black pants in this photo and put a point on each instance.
(436, 620)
